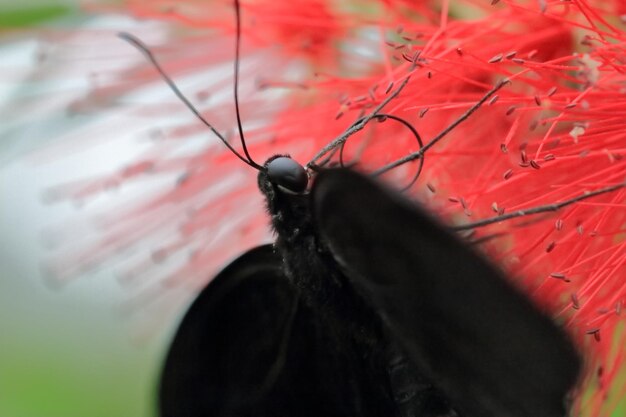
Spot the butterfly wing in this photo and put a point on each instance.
(485, 345)
(243, 348)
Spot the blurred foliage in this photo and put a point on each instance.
(14, 18)
(63, 353)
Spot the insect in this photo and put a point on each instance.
(364, 306)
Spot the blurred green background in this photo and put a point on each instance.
(66, 352)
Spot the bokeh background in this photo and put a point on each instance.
(73, 351)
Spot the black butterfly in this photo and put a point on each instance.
(364, 306)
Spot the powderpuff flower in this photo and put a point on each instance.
(311, 67)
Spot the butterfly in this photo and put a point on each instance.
(365, 305)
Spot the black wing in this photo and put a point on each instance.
(244, 348)
(486, 346)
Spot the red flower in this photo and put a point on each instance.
(557, 131)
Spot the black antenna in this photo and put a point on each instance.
(236, 89)
(420, 154)
(358, 125)
(134, 41)
(383, 117)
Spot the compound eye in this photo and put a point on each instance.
(288, 174)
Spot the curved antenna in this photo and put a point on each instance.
(358, 125)
(144, 49)
(419, 141)
(236, 89)
(381, 117)
(420, 154)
